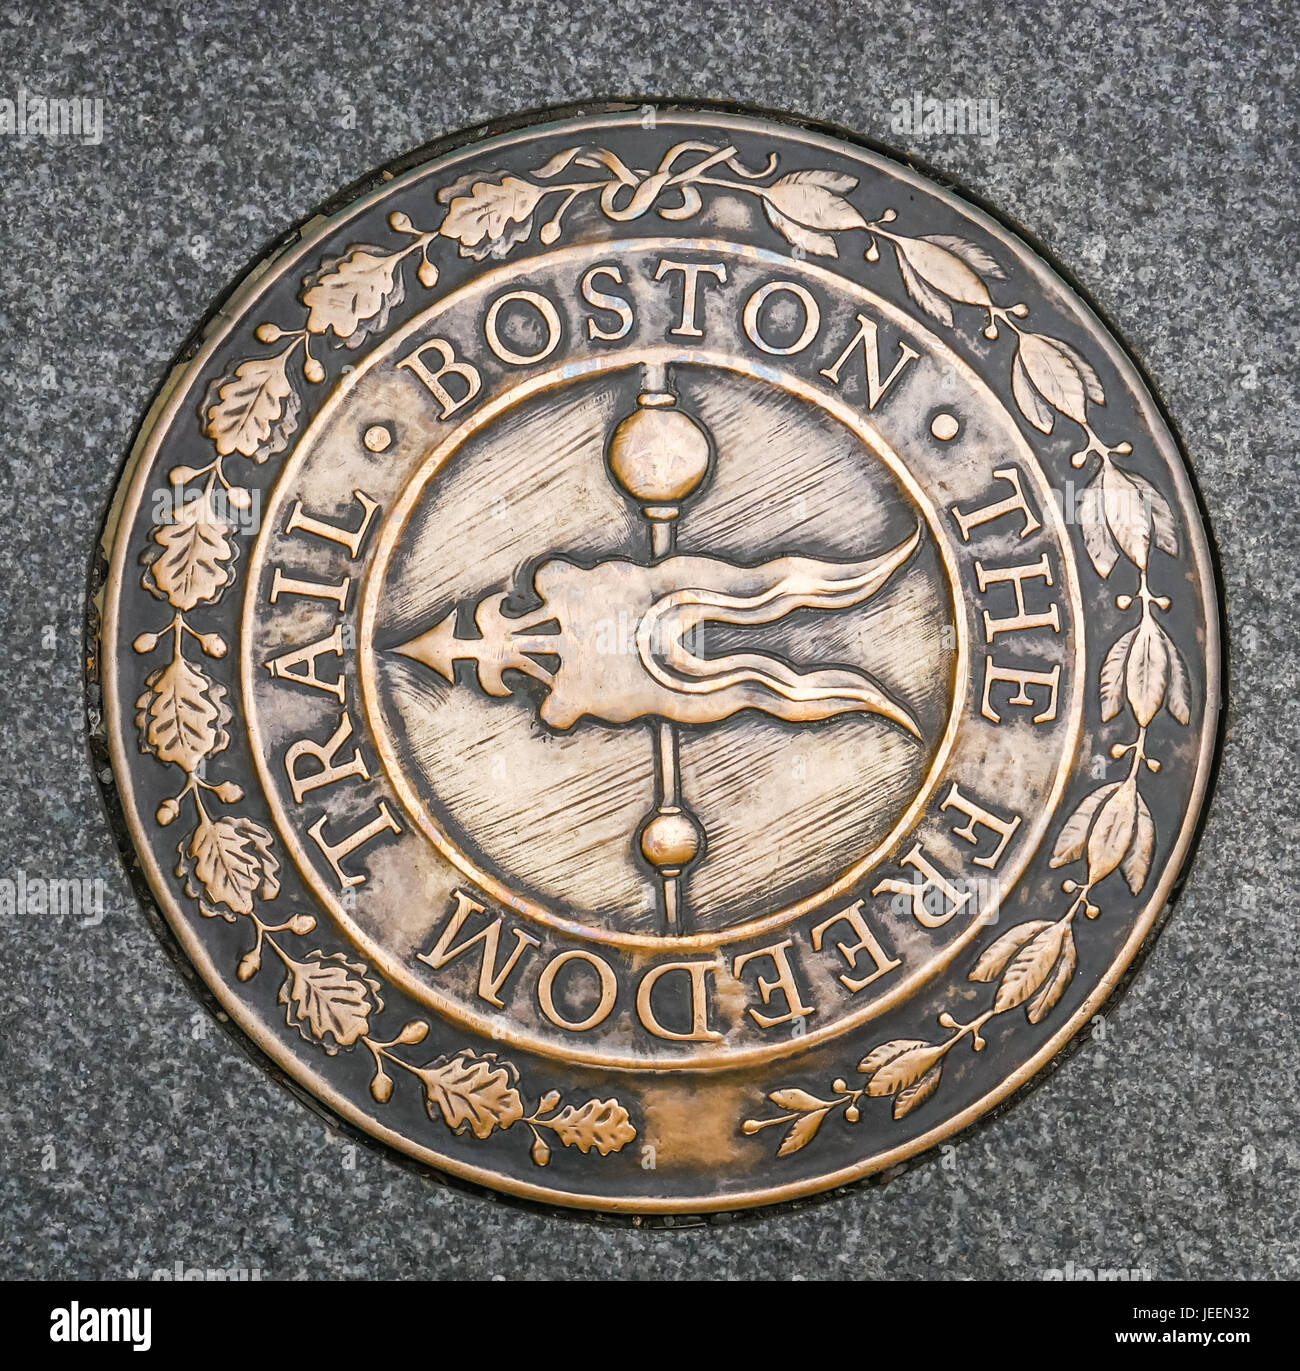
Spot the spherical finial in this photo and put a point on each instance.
(658, 453)
(671, 840)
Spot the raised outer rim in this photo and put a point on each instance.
(1041, 265)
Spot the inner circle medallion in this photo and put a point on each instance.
(657, 660)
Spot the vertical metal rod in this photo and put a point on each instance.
(663, 539)
(659, 456)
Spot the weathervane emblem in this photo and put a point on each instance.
(659, 456)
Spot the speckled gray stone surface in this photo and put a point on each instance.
(1151, 148)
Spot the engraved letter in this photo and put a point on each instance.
(329, 772)
(700, 1030)
(691, 272)
(931, 879)
(1011, 504)
(286, 585)
(812, 317)
(304, 523)
(784, 984)
(335, 852)
(867, 942)
(450, 367)
(976, 814)
(490, 980)
(615, 304)
(549, 317)
(1017, 575)
(1023, 679)
(283, 666)
(546, 987)
(866, 336)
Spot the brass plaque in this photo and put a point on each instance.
(658, 661)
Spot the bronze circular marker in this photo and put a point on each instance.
(658, 661)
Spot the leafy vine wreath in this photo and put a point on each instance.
(227, 865)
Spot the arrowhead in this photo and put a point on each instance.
(503, 645)
(439, 648)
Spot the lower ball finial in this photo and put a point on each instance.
(671, 841)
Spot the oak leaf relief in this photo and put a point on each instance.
(254, 410)
(471, 1093)
(182, 715)
(329, 999)
(228, 861)
(192, 559)
(599, 1124)
(352, 296)
(488, 213)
